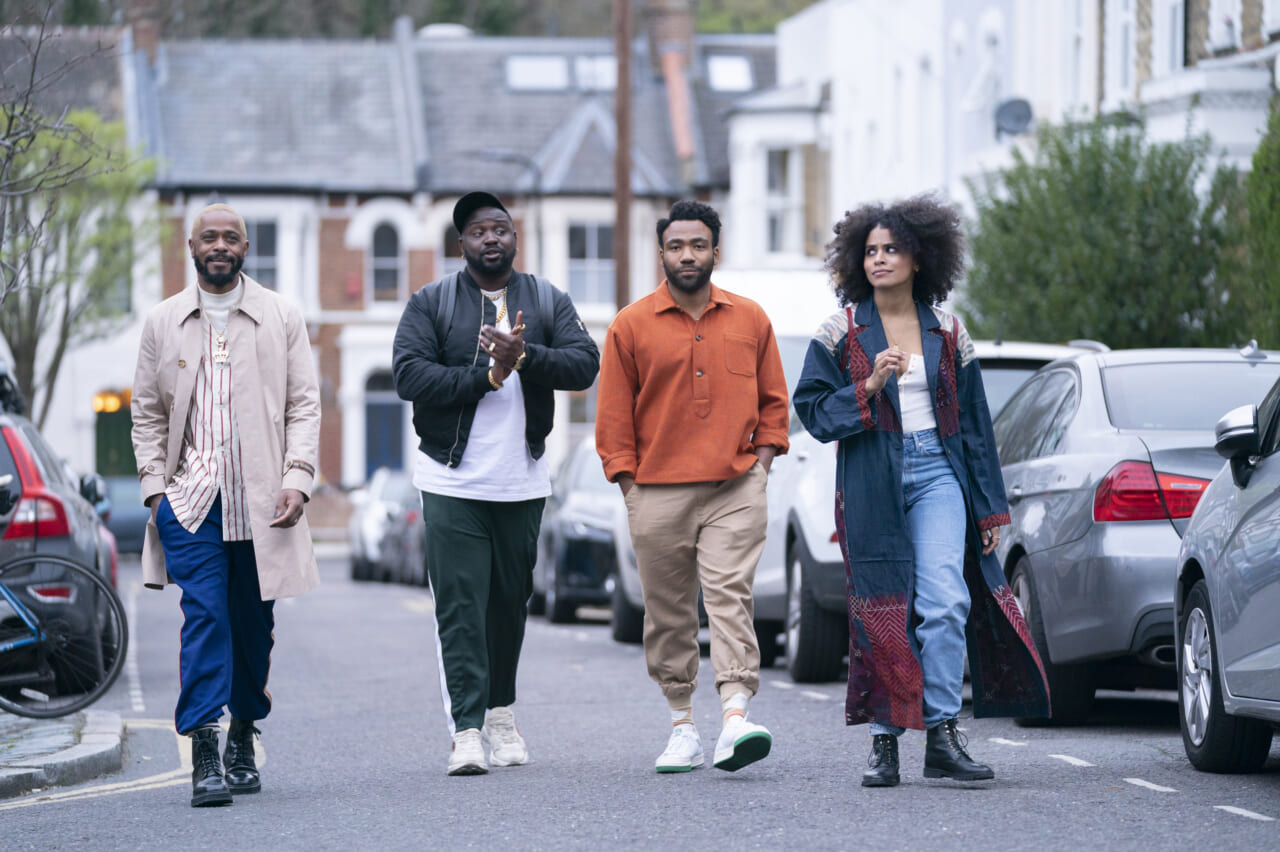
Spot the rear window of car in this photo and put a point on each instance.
(1002, 376)
(1183, 395)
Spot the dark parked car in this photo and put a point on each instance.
(386, 532)
(1105, 456)
(126, 517)
(43, 511)
(584, 525)
(1225, 600)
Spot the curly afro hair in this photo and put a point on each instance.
(926, 228)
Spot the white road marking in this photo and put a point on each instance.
(132, 676)
(1138, 782)
(817, 696)
(1003, 741)
(782, 684)
(1074, 761)
(1242, 812)
(418, 605)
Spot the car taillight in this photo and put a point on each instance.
(1133, 491)
(38, 512)
(51, 593)
(38, 516)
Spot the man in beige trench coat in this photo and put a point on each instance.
(226, 427)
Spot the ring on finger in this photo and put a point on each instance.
(492, 346)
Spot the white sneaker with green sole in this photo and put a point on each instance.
(683, 752)
(741, 743)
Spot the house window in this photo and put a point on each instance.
(591, 263)
(453, 261)
(1167, 39)
(1224, 24)
(1119, 50)
(386, 264)
(782, 200)
(260, 261)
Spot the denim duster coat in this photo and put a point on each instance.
(831, 399)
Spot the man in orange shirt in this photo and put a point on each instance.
(691, 410)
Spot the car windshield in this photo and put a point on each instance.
(124, 490)
(1159, 395)
(792, 348)
(1001, 378)
(589, 476)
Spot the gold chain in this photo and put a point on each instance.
(502, 294)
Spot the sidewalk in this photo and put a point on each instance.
(38, 753)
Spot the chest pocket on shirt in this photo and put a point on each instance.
(740, 354)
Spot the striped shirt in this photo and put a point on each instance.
(211, 462)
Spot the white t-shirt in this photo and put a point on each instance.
(496, 465)
(913, 394)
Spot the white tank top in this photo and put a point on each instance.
(913, 394)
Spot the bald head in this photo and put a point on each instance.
(224, 211)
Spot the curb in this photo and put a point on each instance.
(99, 751)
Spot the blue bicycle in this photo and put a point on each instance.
(63, 635)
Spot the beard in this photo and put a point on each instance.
(688, 285)
(220, 280)
(491, 269)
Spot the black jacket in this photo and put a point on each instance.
(445, 380)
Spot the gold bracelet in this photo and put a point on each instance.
(493, 383)
(520, 361)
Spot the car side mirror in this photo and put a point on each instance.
(1236, 439)
(7, 498)
(93, 488)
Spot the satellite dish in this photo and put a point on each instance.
(1013, 117)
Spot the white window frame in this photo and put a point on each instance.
(1168, 36)
(400, 263)
(596, 268)
(1224, 25)
(784, 203)
(1121, 62)
(254, 260)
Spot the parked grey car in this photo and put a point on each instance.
(386, 532)
(1226, 596)
(126, 516)
(1105, 456)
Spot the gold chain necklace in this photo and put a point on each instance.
(502, 294)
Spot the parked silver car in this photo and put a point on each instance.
(386, 532)
(1226, 595)
(1105, 456)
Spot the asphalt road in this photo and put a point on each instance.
(355, 751)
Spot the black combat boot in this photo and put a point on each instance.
(242, 772)
(208, 789)
(945, 757)
(883, 762)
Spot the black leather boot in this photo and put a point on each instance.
(208, 789)
(945, 757)
(883, 762)
(242, 771)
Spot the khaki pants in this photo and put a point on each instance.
(711, 532)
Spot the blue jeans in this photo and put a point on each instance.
(936, 519)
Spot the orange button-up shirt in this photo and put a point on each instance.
(685, 400)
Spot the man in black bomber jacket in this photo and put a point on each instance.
(483, 405)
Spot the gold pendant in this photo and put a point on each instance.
(220, 356)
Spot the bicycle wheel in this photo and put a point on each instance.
(85, 637)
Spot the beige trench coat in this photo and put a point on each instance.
(277, 405)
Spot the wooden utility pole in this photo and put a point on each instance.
(622, 156)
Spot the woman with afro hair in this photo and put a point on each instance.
(919, 495)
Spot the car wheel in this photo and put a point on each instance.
(537, 604)
(628, 621)
(560, 610)
(359, 568)
(1071, 685)
(767, 639)
(1214, 741)
(817, 639)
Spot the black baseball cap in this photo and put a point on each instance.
(470, 203)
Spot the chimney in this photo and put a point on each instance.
(143, 18)
(670, 28)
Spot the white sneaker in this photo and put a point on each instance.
(467, 757)
(506, 746)
(684, 751)
(741, 743)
